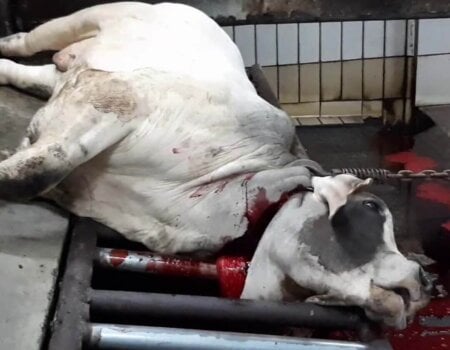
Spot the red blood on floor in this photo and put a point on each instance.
(418, 335)
(411, 161)
(446, 226)
(423, 333)
(434, 192)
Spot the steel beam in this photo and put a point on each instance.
(165, 307)
(115, 337)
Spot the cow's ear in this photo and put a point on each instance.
(334, 190)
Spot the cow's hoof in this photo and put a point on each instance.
(13, 45)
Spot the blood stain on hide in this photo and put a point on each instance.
(221, 186)
(201, 191)
(260, 211)
(218, 186)
(261, 207)
(258, 207)
(117, 257)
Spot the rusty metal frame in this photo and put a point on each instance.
(69, 325)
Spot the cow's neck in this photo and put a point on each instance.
(259, 215)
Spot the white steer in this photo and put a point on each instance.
(153, 128)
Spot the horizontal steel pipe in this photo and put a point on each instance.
(221, 310)
(126, 260)
(115, 337)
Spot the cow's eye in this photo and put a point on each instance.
(372, 205)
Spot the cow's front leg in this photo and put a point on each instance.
(278, 182)
(39, 80)
(31, 172)
(72, 130)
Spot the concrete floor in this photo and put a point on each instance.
(31, 241)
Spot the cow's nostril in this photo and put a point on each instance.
(426, 281)
(405, 295)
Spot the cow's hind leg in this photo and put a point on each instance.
(38, 80)
(61, 32)
(54, 35)
(71, 129)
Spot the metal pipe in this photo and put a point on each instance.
(126, 260)
(114, 337)
(221, 311)
(262, 86)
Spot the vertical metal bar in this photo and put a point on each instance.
(363, 25)
(298, 64)
(320, 69)
(70, 322)
(262, 85)
(115, 337)
(383, 88)
(405, 75)
(414, 72)
(341, 48)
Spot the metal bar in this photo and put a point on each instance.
(262, 86)
(115, 337)
(126, 260)
(72, 311)
(107, 303)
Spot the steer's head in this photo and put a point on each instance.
(336, 246)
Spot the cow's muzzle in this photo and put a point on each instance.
(397, 306)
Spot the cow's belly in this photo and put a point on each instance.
(164, 217)
(172, 218)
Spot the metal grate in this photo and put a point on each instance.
(95, 318)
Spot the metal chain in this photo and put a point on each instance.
(384, 174)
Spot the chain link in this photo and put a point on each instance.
(384, 174)
(424, 174)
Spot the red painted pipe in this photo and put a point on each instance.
(230, 272)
